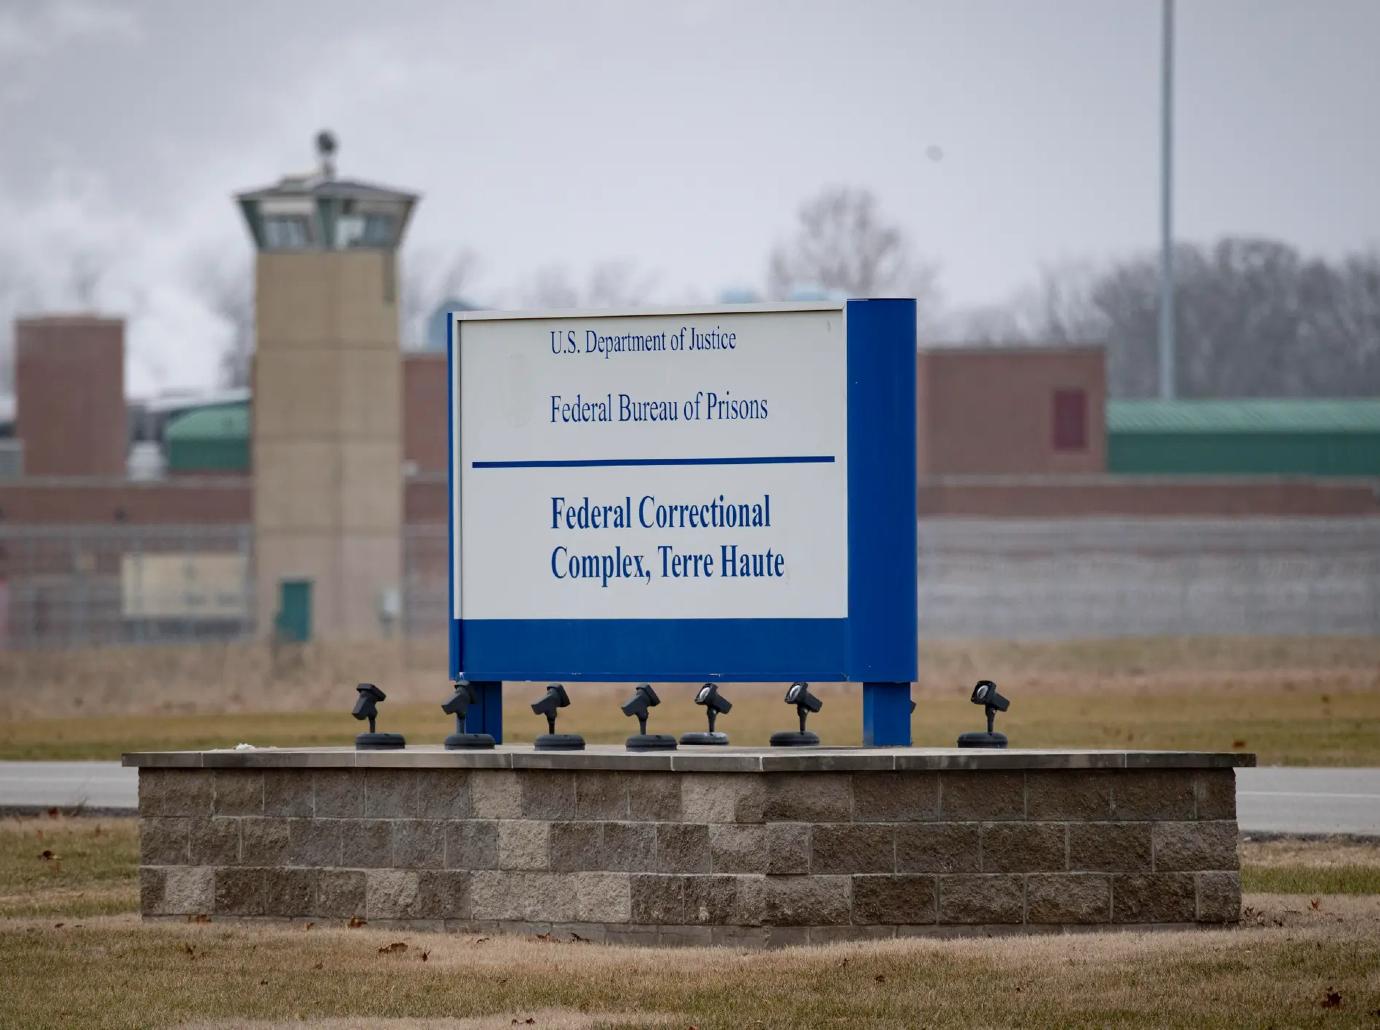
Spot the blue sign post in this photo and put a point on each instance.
(673, 496)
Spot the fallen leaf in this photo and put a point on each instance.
(263, 983)
(543, 937)
(480, 940)
(1316, 904)
(47, 855)
(319, 965)
(425, 953)
(576, 937)
(1332, 999)
(200, 917)
(355, 923)
(190, 949)
(393, 949)
(880, 978)
(58, 926)
(502, 980)
(307, 926)
(52, 813)
(1238, 744)
(1327, 699)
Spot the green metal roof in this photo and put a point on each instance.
(220, 422)
(1250, 415)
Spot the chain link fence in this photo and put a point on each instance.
(79, 586)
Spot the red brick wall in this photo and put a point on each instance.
(70, 395)
(424, 412)
(185, 501)
(989, 411)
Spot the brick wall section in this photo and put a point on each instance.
(692, 858)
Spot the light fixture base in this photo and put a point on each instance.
(795, 738)
(651, 742)
(380, 742)
(978, 739)
(704, 738)
(559, 742)
(469, 742)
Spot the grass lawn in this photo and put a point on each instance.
(1307, 958)
(1309, 701)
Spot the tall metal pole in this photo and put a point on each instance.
(1167, 371)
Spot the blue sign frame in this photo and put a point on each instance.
(876, 644)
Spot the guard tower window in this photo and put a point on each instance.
(1070, 420)
(286, 232)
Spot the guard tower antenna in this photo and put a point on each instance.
(325, 151)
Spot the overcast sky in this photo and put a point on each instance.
(680, 137)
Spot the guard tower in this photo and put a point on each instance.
(327, 427)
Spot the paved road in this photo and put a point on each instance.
(1272, 800)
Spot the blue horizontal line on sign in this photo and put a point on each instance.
(584, 463)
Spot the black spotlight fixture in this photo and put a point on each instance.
(555, 699)
(715, 704)
(457, 706)
(643, 700)
(805, 703)
(985, 694)
(367, 707)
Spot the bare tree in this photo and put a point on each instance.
(226, 287)
(607, 284)
(430, 279)
(843, 244)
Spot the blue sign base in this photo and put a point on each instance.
(486, 712)
(886, 714)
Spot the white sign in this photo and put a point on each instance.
(686, 465)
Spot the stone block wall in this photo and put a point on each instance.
(625, 855)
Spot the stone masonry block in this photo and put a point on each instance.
(289, 892)
(524, 844)
(546, 897)
(419, 844)
(189, 890)
(788, 848)
(1219, 897)
(682, 848)
(238, 791)
(1068, 898)
(981, 899)
(1154, 898)
(809, 798)
(577, 846)
(164, 841)
(654, 797)
(152, 882)
(806, 900)
(288, 793)
(390, 794)
(894, 899)
(443, 794)
(853, 848)
(895, 797)
(657, 899)
(711, 900)
(339, 793)
(547, 794)
(601, 795)
(443, 894)
(1154, 794)
(340, 893)
(738, 848)
(366, 843)
(1079, 795)
(752, 900)
(722, 798)
(974, 796)
(175, 792)
(603, 897)
(214, 841)
(1110, 847)
(263, 842)
(495, 794)
(391, 894)
(937, 848)
(1192, 847)
(472, 844)
(629, 847)
(313, 842)
(1216, 793)
(240, 891)
(1024, 847)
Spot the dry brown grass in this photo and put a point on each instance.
(113, 973)
(1291, 700)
